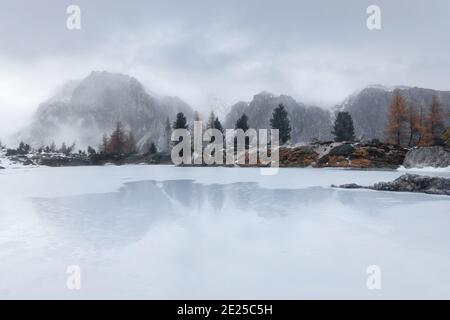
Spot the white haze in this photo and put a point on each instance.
(213, 54)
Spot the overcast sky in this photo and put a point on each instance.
(215, 53)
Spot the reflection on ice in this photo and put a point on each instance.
(167, 232)
(118, 218)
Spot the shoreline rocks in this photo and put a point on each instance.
(408, 183)
(436, 156)
(344, 155)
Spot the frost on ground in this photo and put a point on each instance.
(186, 233)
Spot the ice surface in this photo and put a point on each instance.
(170, 232)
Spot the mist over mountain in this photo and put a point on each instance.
(307, 122)
(82, 111)
(369, 107)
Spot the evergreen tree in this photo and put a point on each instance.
(23, 148)
(280, 121)
(242, 123)
(180, 122)
(152, 148)
(91, 151)
(343, 129)
(217, 125)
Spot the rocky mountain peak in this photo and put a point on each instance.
(84, 110)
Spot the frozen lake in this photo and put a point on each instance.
(163, 232)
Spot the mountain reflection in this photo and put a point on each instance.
(117, 218)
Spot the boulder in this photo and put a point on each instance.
(303, 156)
(435, 156)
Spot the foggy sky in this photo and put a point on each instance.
(215, 53)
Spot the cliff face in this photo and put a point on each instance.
(83, 111)
(307, 122)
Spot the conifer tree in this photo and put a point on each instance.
(280, 121)
(242, 123)
(180, 122)
(217, 125)
(343, 129)
(152, 148)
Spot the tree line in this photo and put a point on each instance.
(408, 125)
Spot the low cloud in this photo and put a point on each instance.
(214, 54)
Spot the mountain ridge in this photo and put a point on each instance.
(84, 110)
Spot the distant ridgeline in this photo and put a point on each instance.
(87, 112)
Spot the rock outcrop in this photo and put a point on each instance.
(409, 183)
(438, 157)
(343, 155)
(82, 111)
(308, 122)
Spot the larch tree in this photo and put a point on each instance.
(436, 120)
(424, 128)
(397, 119)
(117, 141)
(180, 123)
(414, 125)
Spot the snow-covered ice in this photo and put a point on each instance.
(167, 232)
